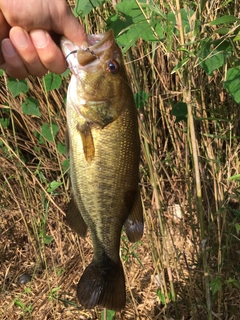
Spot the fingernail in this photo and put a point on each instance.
(19, 38)
(8, 48)
(39, 38)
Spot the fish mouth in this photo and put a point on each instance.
(87, 56)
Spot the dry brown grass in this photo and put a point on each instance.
(180, 258)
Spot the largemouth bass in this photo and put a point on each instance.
(104, 151)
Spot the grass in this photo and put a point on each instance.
(186, 266)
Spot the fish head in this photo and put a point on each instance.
(99, 85)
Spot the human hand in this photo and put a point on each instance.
(25, 36)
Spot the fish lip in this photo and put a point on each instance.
(100, 42)
(85, 56)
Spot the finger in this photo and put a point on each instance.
(4, 31)
(27, 52)
(13, 65)
(49, 53)
(69, 26)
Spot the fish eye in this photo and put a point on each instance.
(112, 66)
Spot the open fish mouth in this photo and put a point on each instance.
(87, 55)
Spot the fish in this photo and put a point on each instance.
(104, 150)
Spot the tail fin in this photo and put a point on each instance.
(103, 284)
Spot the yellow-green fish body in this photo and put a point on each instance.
(104, 153)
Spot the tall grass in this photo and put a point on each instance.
(186, 266)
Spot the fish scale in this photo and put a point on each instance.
(104, 151)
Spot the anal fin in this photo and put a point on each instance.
(75, 220)
(134, 224)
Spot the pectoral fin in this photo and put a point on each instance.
(75, 220)
(134, 224)
(87, 141)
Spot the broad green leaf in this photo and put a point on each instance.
(216, 285)
(83, 7)
(141, 99)
(130, 24)
(4, 122)
(47, 239)
(223, 20)
(222, 30)
(237, 38)
(186, 15)
(66, 73)
(48, 132)
(212, 55)
(133, 33)
(65, 165)
(131, 9)
(232, 83)
(179, 110)
(52, 81)
(17, 86)
(61, 148)
(53, 186)
(1, 72)
(31, 106)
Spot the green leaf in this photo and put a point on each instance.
(222, 30)
(161, 296)
(65, 165)
(179, 110)
(213, 55)
(61, 148)
(110, 315)
(47, 239)
(237, 227)
(237, 38)
(31, 106)
(216, 285)
(130, 24)
(65, 73)
(83, 7)
(17, 86)
(232, 83)
(52, 81)
(53, 186)
(236, 177)
(180, 65)
(223, 20)
(19, 303)
(48, 132)
(1, 72)
(141, 99)
(4, 122)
